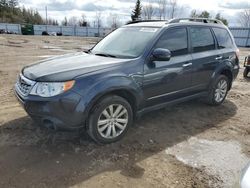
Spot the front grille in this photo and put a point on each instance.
(24, 85)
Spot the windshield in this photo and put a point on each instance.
(125, 42)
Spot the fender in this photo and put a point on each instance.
(103, 85)
(226, 65)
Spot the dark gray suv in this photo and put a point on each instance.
(139, 67)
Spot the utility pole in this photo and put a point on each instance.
(46, 11)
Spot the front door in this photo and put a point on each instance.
(168, 80)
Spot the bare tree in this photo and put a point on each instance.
(173, 7)
(194, 14)
(244, 18)
(98, 20)
(73, 21)
(114, 21)
(148, 11)
(162, 9)
(83, 21)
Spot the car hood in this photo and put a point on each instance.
(69, 66)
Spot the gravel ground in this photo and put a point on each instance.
(188, 145)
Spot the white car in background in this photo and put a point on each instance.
(245, 178)
(53, 34)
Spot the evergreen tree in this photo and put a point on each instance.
(3, 3)
(13, 3)
(136, 13)
(3, 6)
(205, 14)
(65, 21)
(11, 13)
(219, 17)
(37, 18)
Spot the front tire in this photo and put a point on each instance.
(110, 119)
(218, 91)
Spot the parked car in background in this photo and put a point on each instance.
(45, 33)
(138, 68)
(244, 180)
(52, 33)
(3, 31)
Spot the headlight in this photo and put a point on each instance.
(50, 89)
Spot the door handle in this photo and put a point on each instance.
(187, 64)
(219, 58)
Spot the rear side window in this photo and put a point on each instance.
(202, 39)
(174, 40)
(223, 38)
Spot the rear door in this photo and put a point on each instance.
(226, 46)
(205, 56)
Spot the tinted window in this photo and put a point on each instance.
(174, 40)
(202, 39)
(223, 38)
(128, 42)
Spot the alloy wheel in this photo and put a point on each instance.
(112, 121)
(221, 91)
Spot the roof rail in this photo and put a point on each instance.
(204, 20)
(140, 21)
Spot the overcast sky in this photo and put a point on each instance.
(58, 9)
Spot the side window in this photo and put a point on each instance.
(174, 40)
(223, 38)
(202, 39)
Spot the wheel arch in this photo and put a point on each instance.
(225, 70)
(127, 94)
(228, 73)
(121, 92)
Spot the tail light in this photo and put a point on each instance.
(238, 53)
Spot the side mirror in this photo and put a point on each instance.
(161, 54)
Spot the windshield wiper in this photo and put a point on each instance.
(87, 51)
(105, 55)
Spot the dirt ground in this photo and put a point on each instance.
(188, 145)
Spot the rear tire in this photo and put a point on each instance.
(245, 73)
(110, 119)
(218, 91)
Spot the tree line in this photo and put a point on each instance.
(165, 9)
(11, 12)
(168, 9)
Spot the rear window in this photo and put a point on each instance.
(202, 39)
(223, 38)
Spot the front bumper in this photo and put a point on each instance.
(65, 111)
